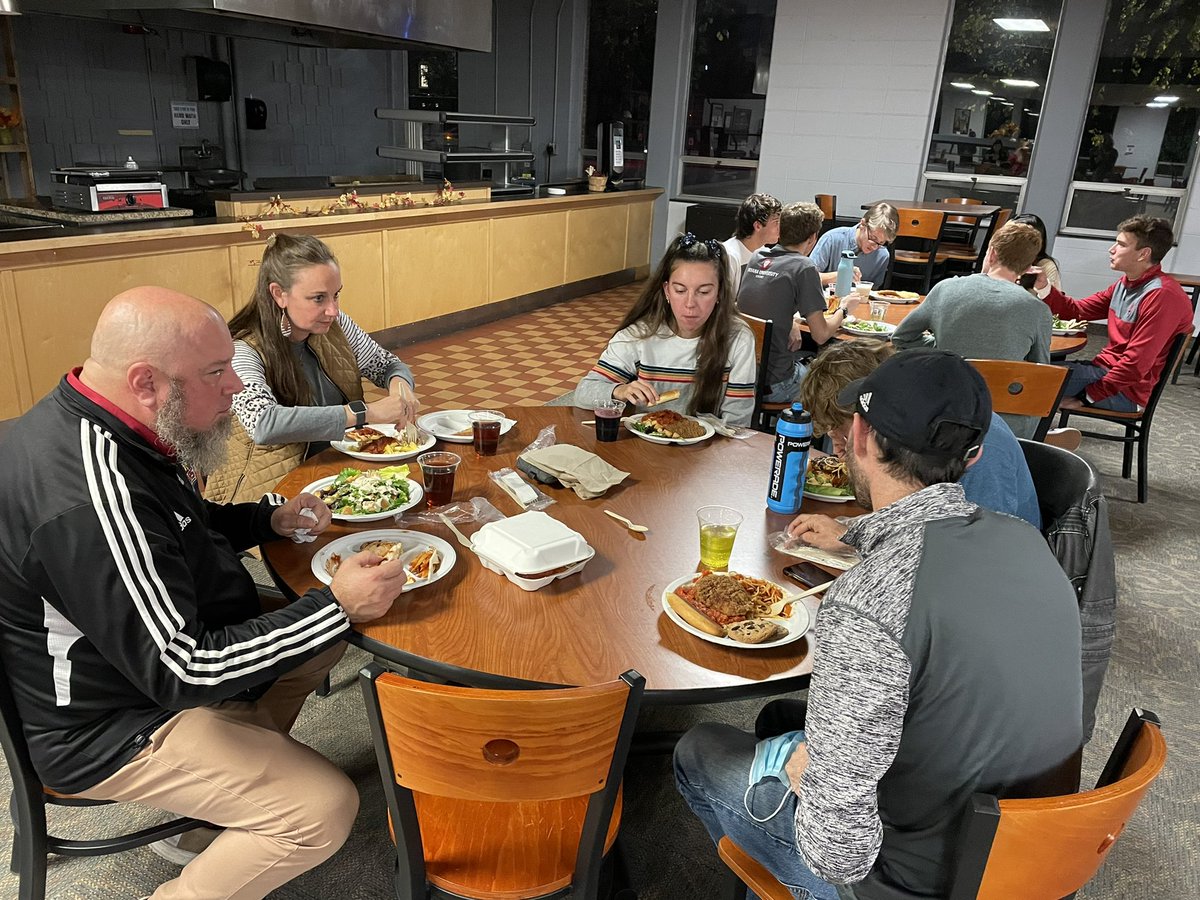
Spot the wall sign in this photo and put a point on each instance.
(184, 114)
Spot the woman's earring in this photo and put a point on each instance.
(285, 324)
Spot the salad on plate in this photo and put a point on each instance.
(356, 493)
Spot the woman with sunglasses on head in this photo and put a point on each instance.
(1043, 260)
(302, 361)
(683, 335)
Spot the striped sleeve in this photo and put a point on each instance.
(618, 364)
(149, 623)
(376, 364)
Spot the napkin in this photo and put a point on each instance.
(301, 535)
(583, 472)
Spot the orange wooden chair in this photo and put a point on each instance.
(969, 257)
(500, 793)
(915, 250)
(1024, 389)
(1039, 849)
(765, 413)
(961, 229)
(828, 205)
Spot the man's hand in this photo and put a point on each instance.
(796, 335)
(796, 765)
(818, 531)
(857, 274)
(365, 586)
(1041, 281)
(1070, 403)
(287, 518)
(639, 393)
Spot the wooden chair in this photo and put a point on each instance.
(1040, 849)
(765, 413)
(1191, 287)
(961, 229)
(1024, 389)
(828, 204)
(1136, 424)
(501, 794)
(968, 257)
(31, 842)
(914, 254)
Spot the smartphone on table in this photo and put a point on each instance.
(808, 574)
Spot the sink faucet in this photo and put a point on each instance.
(205, 151)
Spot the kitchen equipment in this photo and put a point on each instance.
(107, 190)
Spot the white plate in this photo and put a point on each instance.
(709, 431)
(825, 498)
(796, 624)
(875, 295)
(446, 424)
(390, 431)
(415, 494)
(414, 542)
(1068, 332)
(888, 330)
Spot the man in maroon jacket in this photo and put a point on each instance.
(1145, 310)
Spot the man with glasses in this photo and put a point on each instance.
(868, 239)
(756, 225)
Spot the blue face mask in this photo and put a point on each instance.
(770, 761)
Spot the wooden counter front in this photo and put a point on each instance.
(399, 267)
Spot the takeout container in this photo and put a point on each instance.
(529, 544)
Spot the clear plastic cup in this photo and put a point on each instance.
(863, 289)
(608, 419)
(485, 431)
(718, 530)
(879, 310)
(437, 471)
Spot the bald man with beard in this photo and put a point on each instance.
(142, 664)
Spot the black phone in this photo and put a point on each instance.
(807, 574)
(1027, 280)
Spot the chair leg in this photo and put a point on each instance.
(1143, 458)
(29, 848)
(324, 688)
(735, 888)
(1127, 455)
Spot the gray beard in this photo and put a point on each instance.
(202, 452)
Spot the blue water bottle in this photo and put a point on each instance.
(789, 461)
(845, 275)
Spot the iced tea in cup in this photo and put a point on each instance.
(437, 471)
(879, 310)
(608, 419)
(485, 431)
(718, 529)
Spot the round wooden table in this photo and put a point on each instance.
(475, 627)
(1060, 346)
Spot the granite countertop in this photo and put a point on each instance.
(41, 209)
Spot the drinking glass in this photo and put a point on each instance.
(437, 471)
(879, 309)
(485, 431)
(718, 529)
(864, 288)
(608, 419)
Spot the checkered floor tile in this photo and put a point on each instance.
(525, 360)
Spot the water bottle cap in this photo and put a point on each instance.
(848, 254)
(797, 406)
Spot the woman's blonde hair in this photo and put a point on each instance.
(258, 322)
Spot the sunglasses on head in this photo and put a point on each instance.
(715, 250)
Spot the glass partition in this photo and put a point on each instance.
(620, 72)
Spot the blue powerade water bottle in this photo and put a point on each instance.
(789, 461)
(845, 275)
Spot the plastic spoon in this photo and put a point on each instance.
(632, 526)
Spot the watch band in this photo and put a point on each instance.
(359, 408)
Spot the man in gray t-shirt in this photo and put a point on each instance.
(781, 284)
(868, 239)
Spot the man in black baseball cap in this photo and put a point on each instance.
(946, 662)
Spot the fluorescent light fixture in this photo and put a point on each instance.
(981, 92)
(1006, 104)
(1035, 115)
(1019, 82)
(1022, 24)
(966, 85)
(1158, 105)
(1166, 98)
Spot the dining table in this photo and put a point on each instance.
(967, 210)
(472, 626)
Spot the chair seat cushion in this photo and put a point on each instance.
(501, 850)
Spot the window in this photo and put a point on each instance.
(1138, 147)
(985, 124)
(731, 57)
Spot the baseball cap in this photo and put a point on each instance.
(932, 402)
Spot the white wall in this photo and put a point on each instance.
(850, 117)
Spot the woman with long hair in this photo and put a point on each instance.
(302, 362)
(1043, 259)
(682, 334)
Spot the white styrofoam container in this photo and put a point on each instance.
(530, 543)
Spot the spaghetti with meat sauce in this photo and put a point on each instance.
(730, 598)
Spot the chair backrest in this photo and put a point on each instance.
(501, 746)
(1174, 355)
(761, 329)
(1051, 846)
(963, 201)
(920, 224)
(1024, 389)
(26, 784)
(1060, 478)
(828, 205)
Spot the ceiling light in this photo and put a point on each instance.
(1157, 105)
(1022, 24)
(981, 92)
(1035, 115)
(966, 85)
(1166, 98)
(1019, 82)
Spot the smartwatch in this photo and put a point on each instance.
(359, 408)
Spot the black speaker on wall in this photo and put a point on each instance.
(214, 81)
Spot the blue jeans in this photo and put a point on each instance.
(712, 763)
(787, 390)
(1082, 374)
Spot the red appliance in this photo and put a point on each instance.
(108, 190)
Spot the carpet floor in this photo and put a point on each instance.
(1155, 665)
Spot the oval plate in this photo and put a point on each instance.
(827, 498)
(446, 425)
(415, 494)
(1068, 332)
(888, 330)
(414, 542)
(796, 624)
(391, 431)
(709, 431)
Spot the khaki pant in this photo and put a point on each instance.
(284, 807)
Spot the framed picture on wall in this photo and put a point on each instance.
(717, 119)
(741, 120)
(962, 120)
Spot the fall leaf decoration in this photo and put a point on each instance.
(350, 202)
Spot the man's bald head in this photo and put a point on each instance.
(149, 325)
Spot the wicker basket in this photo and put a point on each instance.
(597, 183)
